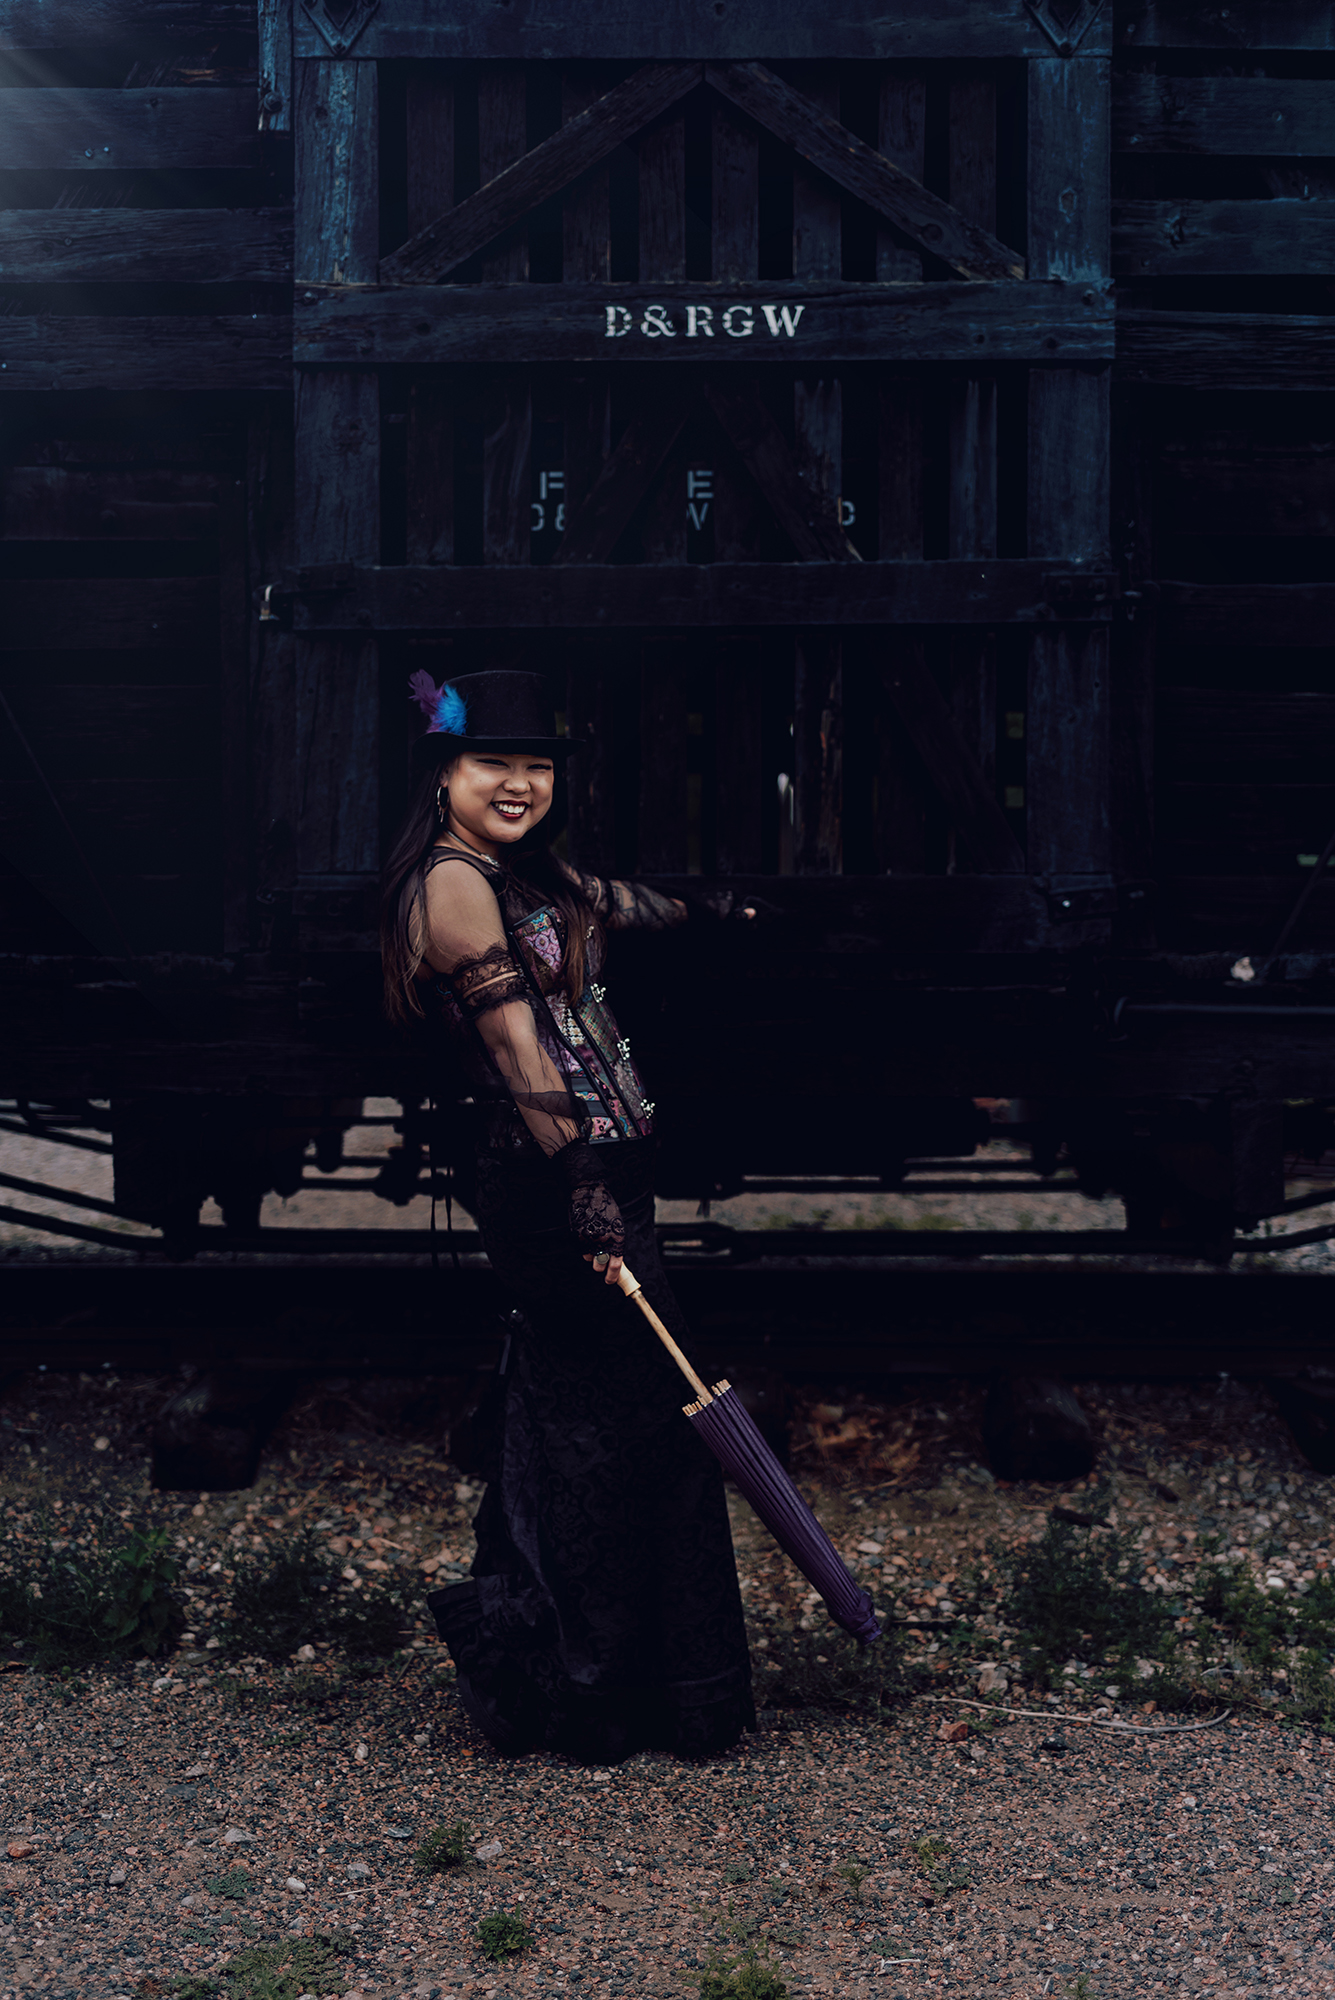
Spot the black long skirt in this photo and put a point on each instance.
(602, 1615)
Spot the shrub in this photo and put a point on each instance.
(114, 1601)
(292, 1593)
(286, 1970)
(746, 1977)
(1070, 1596)
(502, 1935)
(447, 1847)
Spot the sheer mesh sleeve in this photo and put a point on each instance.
(467, 943)
(624, 906)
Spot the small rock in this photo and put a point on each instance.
(953, 1732)
(418, 1741)
(116, 1877)
(358, 1871)
(361, 1753)
(398, 1833)
(195, 1771)
(19, 1850)
(488, 1850)
(187, 1902)
(233, 1837)
(163, 1682)
(294, 1882)
(101, 1444)
(305, 1652)
(992, 1680)
(1057, 1745)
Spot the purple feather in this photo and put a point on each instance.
(423, 690)
(451, 716)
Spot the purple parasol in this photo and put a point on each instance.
(726, 1427)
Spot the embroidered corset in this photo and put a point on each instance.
(580, 1038)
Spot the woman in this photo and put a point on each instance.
(602, 1615)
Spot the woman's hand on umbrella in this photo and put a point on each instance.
(605, 1265)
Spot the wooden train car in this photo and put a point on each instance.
(906, 444)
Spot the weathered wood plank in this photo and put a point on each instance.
(502, 127)
(901, 136)
(646, 595)
(799, 507)
(593, 531)
(1247, 614)
(62, 351)
(507, 479)
(1223, 114)
(112, 614)
(861, 171)
(337, 173)
(338, 734)
(1202, 350)
(1069, 426)
(662, 201)
(735, 196)
(590, 777)
(505, 199)
(144, 246)
(274, 19)
(586, 219)
(168, 126)
(429, 118)
(1070, 169)
(817, 210)
(1275, 492)
(806, 323)
(1179, 239)
(1246, 24)
(900, 469)
(973, 399)
(680, 30)
(662, 786)
(271, 805)
(818, 754)
(954, 771)
(1220, 735)
(1067, 729)
(739, 693)
(46, 503)
(900, 780)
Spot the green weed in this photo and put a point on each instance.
(746, 1977)
(236, 1884)
(447, 1847)
(292, 1593)
(1070, 1596)
(115, 1601)
(286, 1970)
(828, 1669)
(933, 1848)
(502, 1935)
(854, 1874)
(737, 1871)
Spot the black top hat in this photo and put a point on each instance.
(505, 712)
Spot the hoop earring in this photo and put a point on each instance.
(442, 804)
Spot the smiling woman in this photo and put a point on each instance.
(603, 1614)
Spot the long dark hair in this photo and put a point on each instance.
(403, 931)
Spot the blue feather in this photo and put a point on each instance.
(451, 716)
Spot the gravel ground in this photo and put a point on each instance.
(161, 1819)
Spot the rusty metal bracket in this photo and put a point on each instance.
(339, 33)
(1065, 36)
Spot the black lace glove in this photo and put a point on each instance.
(595, 1219)
(726, 905)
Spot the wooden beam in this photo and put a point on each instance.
(1224, 114)
(723, 323)
(1247, 24)
(274, 18)
(145, 246)
(861, 171)
(969, 801)
(1181, 239)
(901, 136)
(62, 351)
(609, 31)
(1247, 614)
(172, 126)
(624, 480)
(629, 595)
(1203, 350)
(504, 201)
(801, 509)
(1242, 492)
(56, 503)
(107, 614)
(37, 24)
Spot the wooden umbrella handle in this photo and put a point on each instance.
(631, 1286)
